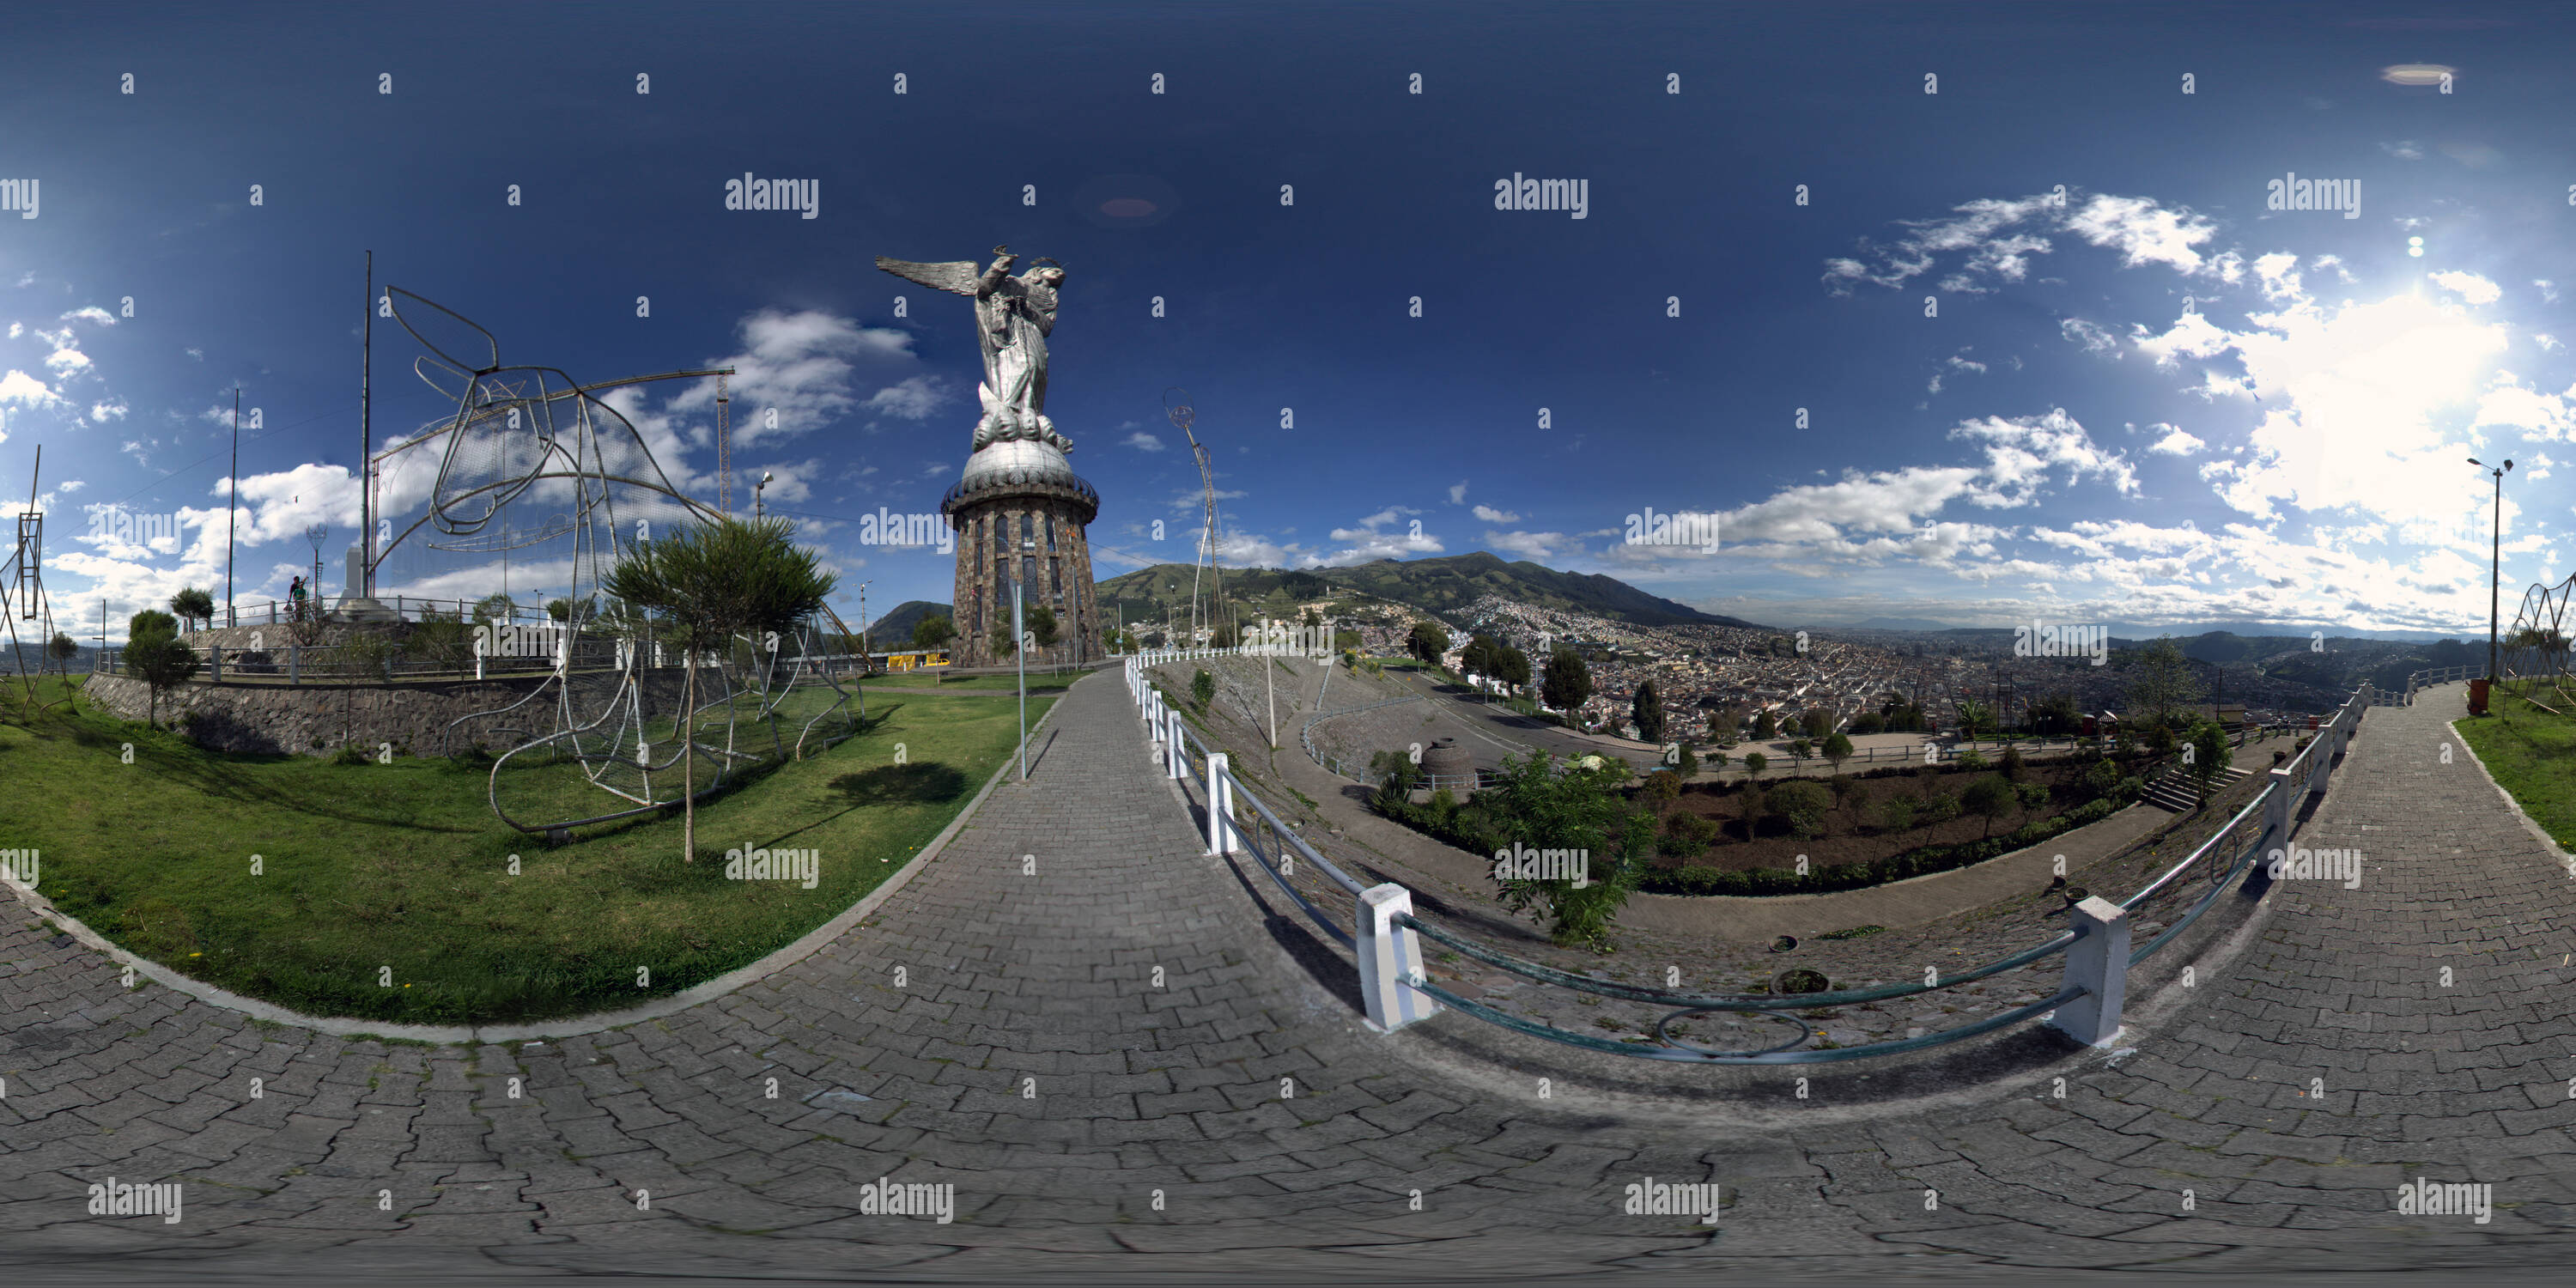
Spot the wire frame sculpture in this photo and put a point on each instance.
(2532, 657)
(529, 434)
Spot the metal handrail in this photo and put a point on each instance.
(1730, 1002)
(1770, 1006)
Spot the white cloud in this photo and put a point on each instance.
(2469, 286)
(2095, 339)
(108, 409)
(92, 313)
(804, 366)
(1491, 515)
(1458, 492)
(2176, 442)
(67, 361)
(2404, 150)
(1143, 441)
(1987, 235)
(1528, 545)
(26, 390)
(911, 398)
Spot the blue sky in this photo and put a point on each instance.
(2149, 400)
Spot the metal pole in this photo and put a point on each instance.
(1020, 650)
(2495, 576)
(367, 440)
(232, 503)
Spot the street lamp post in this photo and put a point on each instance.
(757, 511)
(2495, 573)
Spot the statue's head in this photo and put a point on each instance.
(1047, 271)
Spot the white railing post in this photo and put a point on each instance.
(1220, 806)
(1180, 755)
(2097, 962)
(2277, 809)
(1390, 960)
(2320, 758)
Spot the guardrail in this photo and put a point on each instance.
(2087, 1004)
(384, 663)
(2422, 680)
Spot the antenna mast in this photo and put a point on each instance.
(1182, 416)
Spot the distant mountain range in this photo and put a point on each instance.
(893, 630)
(1440, 586)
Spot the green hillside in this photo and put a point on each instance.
(1440, 586)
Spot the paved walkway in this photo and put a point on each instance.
(1095, 1119)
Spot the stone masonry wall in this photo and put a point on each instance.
(316, 718)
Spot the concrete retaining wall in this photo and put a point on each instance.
(312, 719)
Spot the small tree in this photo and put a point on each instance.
(1764, 727)
(933, 632)
(715, 579)
(1202, 690)
(1648, 711)
(1755, 762)
(1804, 803)
(2161, 680)
(1838, 749)
(1040, 621)
(1511, 666)
(1427, 643)
(1004, 644)
(1990, 797)
(1567, 683)
(1818, 722)
(62, 648)
(2209, 754)
(2033, 795)
(194, 604)
(1686, 762)
(2011, 763)
(154, 655)
(1801, 748)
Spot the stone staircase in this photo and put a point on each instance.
(2174, 791)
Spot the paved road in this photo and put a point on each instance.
(1030, 1059)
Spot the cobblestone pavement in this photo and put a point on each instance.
(1120, 1056)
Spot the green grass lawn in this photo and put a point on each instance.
(403, 865)
(2532, 754)
(977, 683)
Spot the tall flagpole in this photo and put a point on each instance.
(232, 505)
(367, 441)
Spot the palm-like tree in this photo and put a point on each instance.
(713, 580)
(194, 604)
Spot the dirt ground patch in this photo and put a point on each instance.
(1858, 829)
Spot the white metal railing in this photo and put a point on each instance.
(2422, 680)
(1389, 954)
(2087, 1006)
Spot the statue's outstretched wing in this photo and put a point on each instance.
(959, 276)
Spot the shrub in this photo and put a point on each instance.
(1755, 762)
(2011, 763)
(1686, 835)
(1804, 804)
(1202, 690)
(348, 754)
(2033, 795)
(1896, 813)
(1852, 876)
(2102, 779)
(1990, 797)
(1972, 760)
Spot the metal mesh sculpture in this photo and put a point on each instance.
(2532, 657)
(530, 435)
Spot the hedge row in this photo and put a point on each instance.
(1895, 867)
